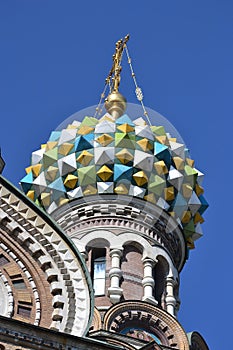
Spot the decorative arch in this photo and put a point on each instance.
(152, 319)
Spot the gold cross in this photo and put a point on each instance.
(115, 71)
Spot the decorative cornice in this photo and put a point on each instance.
(146, 220)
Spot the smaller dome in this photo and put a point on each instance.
(122, 157)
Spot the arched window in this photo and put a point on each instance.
(98, 270)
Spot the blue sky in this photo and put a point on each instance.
(54, 58)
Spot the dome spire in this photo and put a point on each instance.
(115, 103)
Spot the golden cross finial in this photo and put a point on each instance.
(115, 71)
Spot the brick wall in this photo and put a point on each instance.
(132, 269)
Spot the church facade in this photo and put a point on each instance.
(91, 252)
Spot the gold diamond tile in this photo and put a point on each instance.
(199, 189)
(162, 139)
(104, 173)
(150, 198)
(71, 181)
(198, 218)
(50, 145)
(186, 217)
(65, 148)
(45, 198)
(124, 156)
(125, 128)
(145, 144)
(51, 173)
(85, 157)
(31, 195)
(121, 189)
(140, 178)
(179, 163)
(169, 193)
(161, 167)
(89, 190)
(63, 201)
(187, 190)
(190, 162)
(104, 139)
(84, 130)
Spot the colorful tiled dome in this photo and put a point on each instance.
(123, 157)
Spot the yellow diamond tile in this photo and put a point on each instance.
(63, 201)
(104, 139)
(140, 178)
(45, 198)
(187, 190)
(50, 145)
(161, 167)
(121, 189)
(36, 169)
(162, 139)
(51, 173)
(145, 144)
(28, 169)
(89, 190)
(31, 195)
(169, 193)
(198, 218)
(186, 217)
(71, 181)
(85, 157)
(84, 130)
(125, 128)
(104, 173)
(190, 162)
(65, 148)
(150, 198)
(179, 163)
(199, 189)
(124, 156)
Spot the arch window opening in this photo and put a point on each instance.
(98, 270)
(160, 273)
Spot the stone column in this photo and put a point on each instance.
(148, 281)
(170, 299)
(115, 273)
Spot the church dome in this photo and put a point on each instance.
(118, 156)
